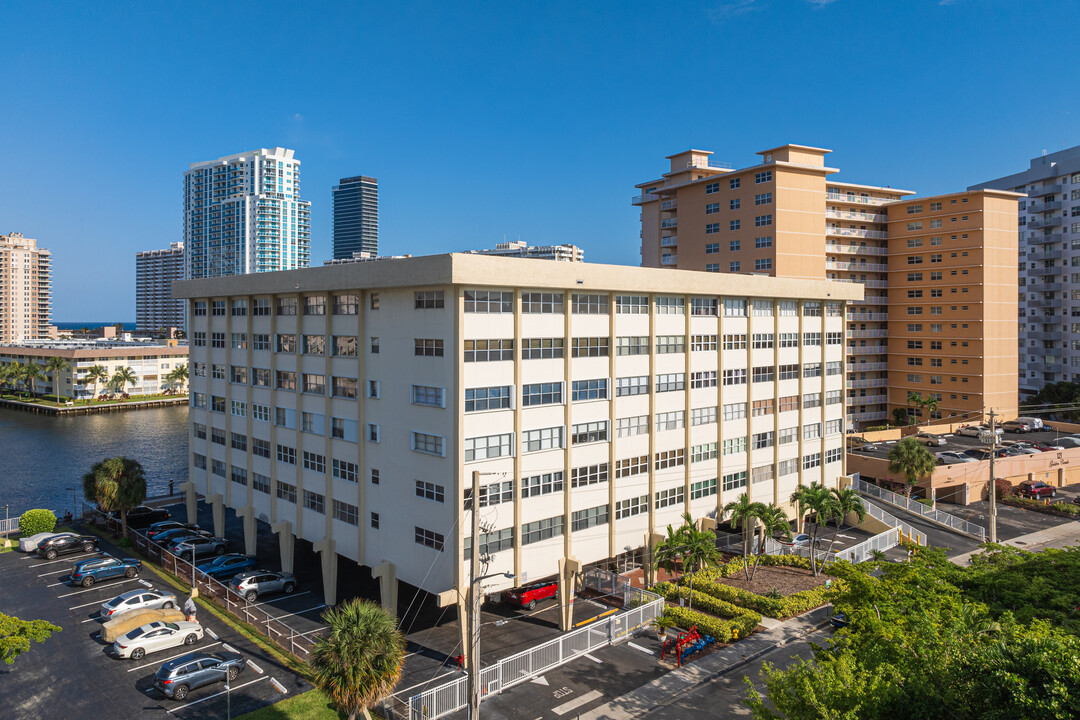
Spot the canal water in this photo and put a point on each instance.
(43, 458)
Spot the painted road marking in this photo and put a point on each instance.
(647, 651)
(540, 681)
(211, 697)
(846, 537)
(71, 559)
(56, 583)
(300, 612)
(82, 606)
(159, 662)
(94, 587)
(280, 688)
(54, 572)
(305, 592)
(212, 634)
(595, 660)
(577, 702)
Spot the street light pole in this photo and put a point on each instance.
(993, 481)
(474, 606)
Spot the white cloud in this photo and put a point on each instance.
(731, 9)
(297, 118)
(818, 4)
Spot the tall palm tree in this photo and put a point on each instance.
(54, 367)
(816, 500)
(178, 375)
(701, 551)
(913, 398)
(930, 405)
(8, 373)
(123, 377)
(96, 374)
(847, 502)
(117, 483)
(32, 372)
(911, 459)
(771, 521)
(670, 552)
(745, 513)
(359, 661)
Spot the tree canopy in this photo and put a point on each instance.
(16, 634)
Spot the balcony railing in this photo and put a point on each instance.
(1036, 224)
(855, 215)
(874, 415)
(868, 367)
(669, 223)
(860, 199)
(669, 259)
(669, 241)
(858, 266)
(867, 283)
(856, 232)
(1044, 207)
(867, 333)
(1044, 190)
(1048, 255)
(709, 163)
(867, 399)
(669, 204)
(855, 249)
(868, 350)
(866, 317)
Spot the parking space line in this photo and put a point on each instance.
(647, 651)
(594, 659)
(264, 602)
(300, 612)
(54, 572)
(56, 583)
(211, 697)
(164, 660)
(93, 619)
(96, 587)
(73, 558)
(577, 702)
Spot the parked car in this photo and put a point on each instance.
(142, 516)
(88, 572)
(1034, 422)
(976, 430)
(1069, 441)
(158, 528)
(1036, 490)
(255, 583)
(168, 537)
(196, 546)
(177, 677)
(1022, 448)
(858, 443)
(137, 600)
(839, 620)
(1046, 446)
(225, 566)
(1014, 451)
(66, 544)
(930, 439)
(30, 544)
(978, 454)
(527, 596)
(1016, 426)
(949, 457)
(156, 636)
(800, 540)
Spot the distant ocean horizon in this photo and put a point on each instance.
(81, 325)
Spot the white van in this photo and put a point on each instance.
(1034, 423)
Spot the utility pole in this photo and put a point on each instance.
(474, 604)
(993, 482)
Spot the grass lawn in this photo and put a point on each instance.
(311, 705)
(51, 402)
(14, 538)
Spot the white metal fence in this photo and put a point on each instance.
(9, 525)
(640, 607)
(904, 503)
(865, 550)
(891, 520)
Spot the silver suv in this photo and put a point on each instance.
(254, 583)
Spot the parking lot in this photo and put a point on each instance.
(961, 443)
(71, 675)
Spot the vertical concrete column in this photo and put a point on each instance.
(1061, 477)
(286, 543)
(328, 556)
(217, 502)
(191, 501)
(652, 539)
(388, 585)
(463, 609)
(247, 514)
(569, 567)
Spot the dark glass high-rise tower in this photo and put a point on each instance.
(356, 216)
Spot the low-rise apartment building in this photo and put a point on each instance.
(350, 404)
(938, 272)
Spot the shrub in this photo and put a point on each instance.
(33, 522)
(1056, 508)
(722, 630)
(780, 608)
(707, 603)
(1003, 487)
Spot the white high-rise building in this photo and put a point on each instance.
(243, 214)
(155, 271)
(350, 404)
(1049, 263)
(25, 289)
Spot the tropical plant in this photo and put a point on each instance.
(913, 398)
(37, 521)
(54, 367)
(358, 662)
(117, 483)
(771, 521)
(701, 551)
(32, 373)
(96, 374)
(911, 459)
(670, 553)
(123, 377)
(1065, 395)
(816, 500)
(9, 373)
(900, 416)
(746, 513)
(16, 634)
(178, 376)
(847, 502)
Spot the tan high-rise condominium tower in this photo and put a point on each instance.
(25, 289)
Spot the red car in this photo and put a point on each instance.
(1037, 490)
(527, 595)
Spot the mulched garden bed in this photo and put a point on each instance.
(788, 580)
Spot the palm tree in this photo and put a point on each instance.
(670, 552)
(359, 661)
(8, 373)
(54, 367)
(912, 460)
(96, 374)
(178, 375)
(847, 502)
(701, 551)
(123, 377)
(772, 520)
(913, 398)
(745, 512)
(930, 405)
(32, 372)
(117, 483)
(816, 500)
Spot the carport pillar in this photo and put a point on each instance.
(1061, 477)
(707, 524)
(217, 502)
(250, 528)
(569, 567)
(328, 555)
(651, 541)
(388, 586)
(191, 501)
(286, 543)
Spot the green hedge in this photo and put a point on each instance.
(779, 608)
(735, 565)
(708, 603)
(33, 522)
(1054, 508)
(723, 630)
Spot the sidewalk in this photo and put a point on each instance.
(1058, 536)
(656, 695)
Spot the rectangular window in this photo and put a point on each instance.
(344, 470)
(542, 303)
(428, 395)
(428, 538)
(346, 513)
(735, 411)
(428, 299)
(628, 427)
(541, 348)
(488, 398)
(633, 506)
(735, 307)
(632, 304)
(670, 382)
(259, 482)
(261, 307)
(591, 517)
(239, 442)
(314, 384)
(763, 407)
(589, 475)
(735, 480)
(632, 385)
(425, 347)
(286, 491)
(286, 454)
(705, 488)
(217, 404)
(239, 408)
(260, 447)
(703, 379)
(667, 344)
(763, 220)
(343, 387)
(344, 346)
(763, 264)
(489, 350)
(812, 460)
(669, 497)
(591, 432)
(488, 301)
(435, 444)
(763, 199)
(670, 458)
(703, 416)
(632, 345)
(703, 307)
(712, 248)
(670, 420)
(286, 306)
(346, 304)
(589, 390)
(736, 445)
(539, 530)
(590, 304)
(541, 484)
(763, 177)
(217, 340)
(702, 453)
(218, 307)
(490, 446)
(314, 461)
(712, 208)
(670, 306)
(811, 431)
(286, 343)
(260, 341)
(239, 341)
(632, 466)
(429, 491)
(542, 439)
(314, 344)
(763, 373)
(589, 347)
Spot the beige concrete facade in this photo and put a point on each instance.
(351, 404)
(25, 289)
(785, 218)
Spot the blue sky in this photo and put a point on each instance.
(492, 120)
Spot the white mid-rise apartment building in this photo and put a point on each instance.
(350, 404)
(155, 271)
(243, 214)
(1049, 263)
(25, 289)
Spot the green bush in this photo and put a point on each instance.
(723, 630)
(707, 603)
(33, 522)
(1055, 508)
(774, 607)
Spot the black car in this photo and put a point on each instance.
(159, 527)
(143, 516)
(177, 677)
(839, 620)
(167, 537)
(65, 544)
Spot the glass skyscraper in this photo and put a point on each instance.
(243, 214)
(356, 216)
